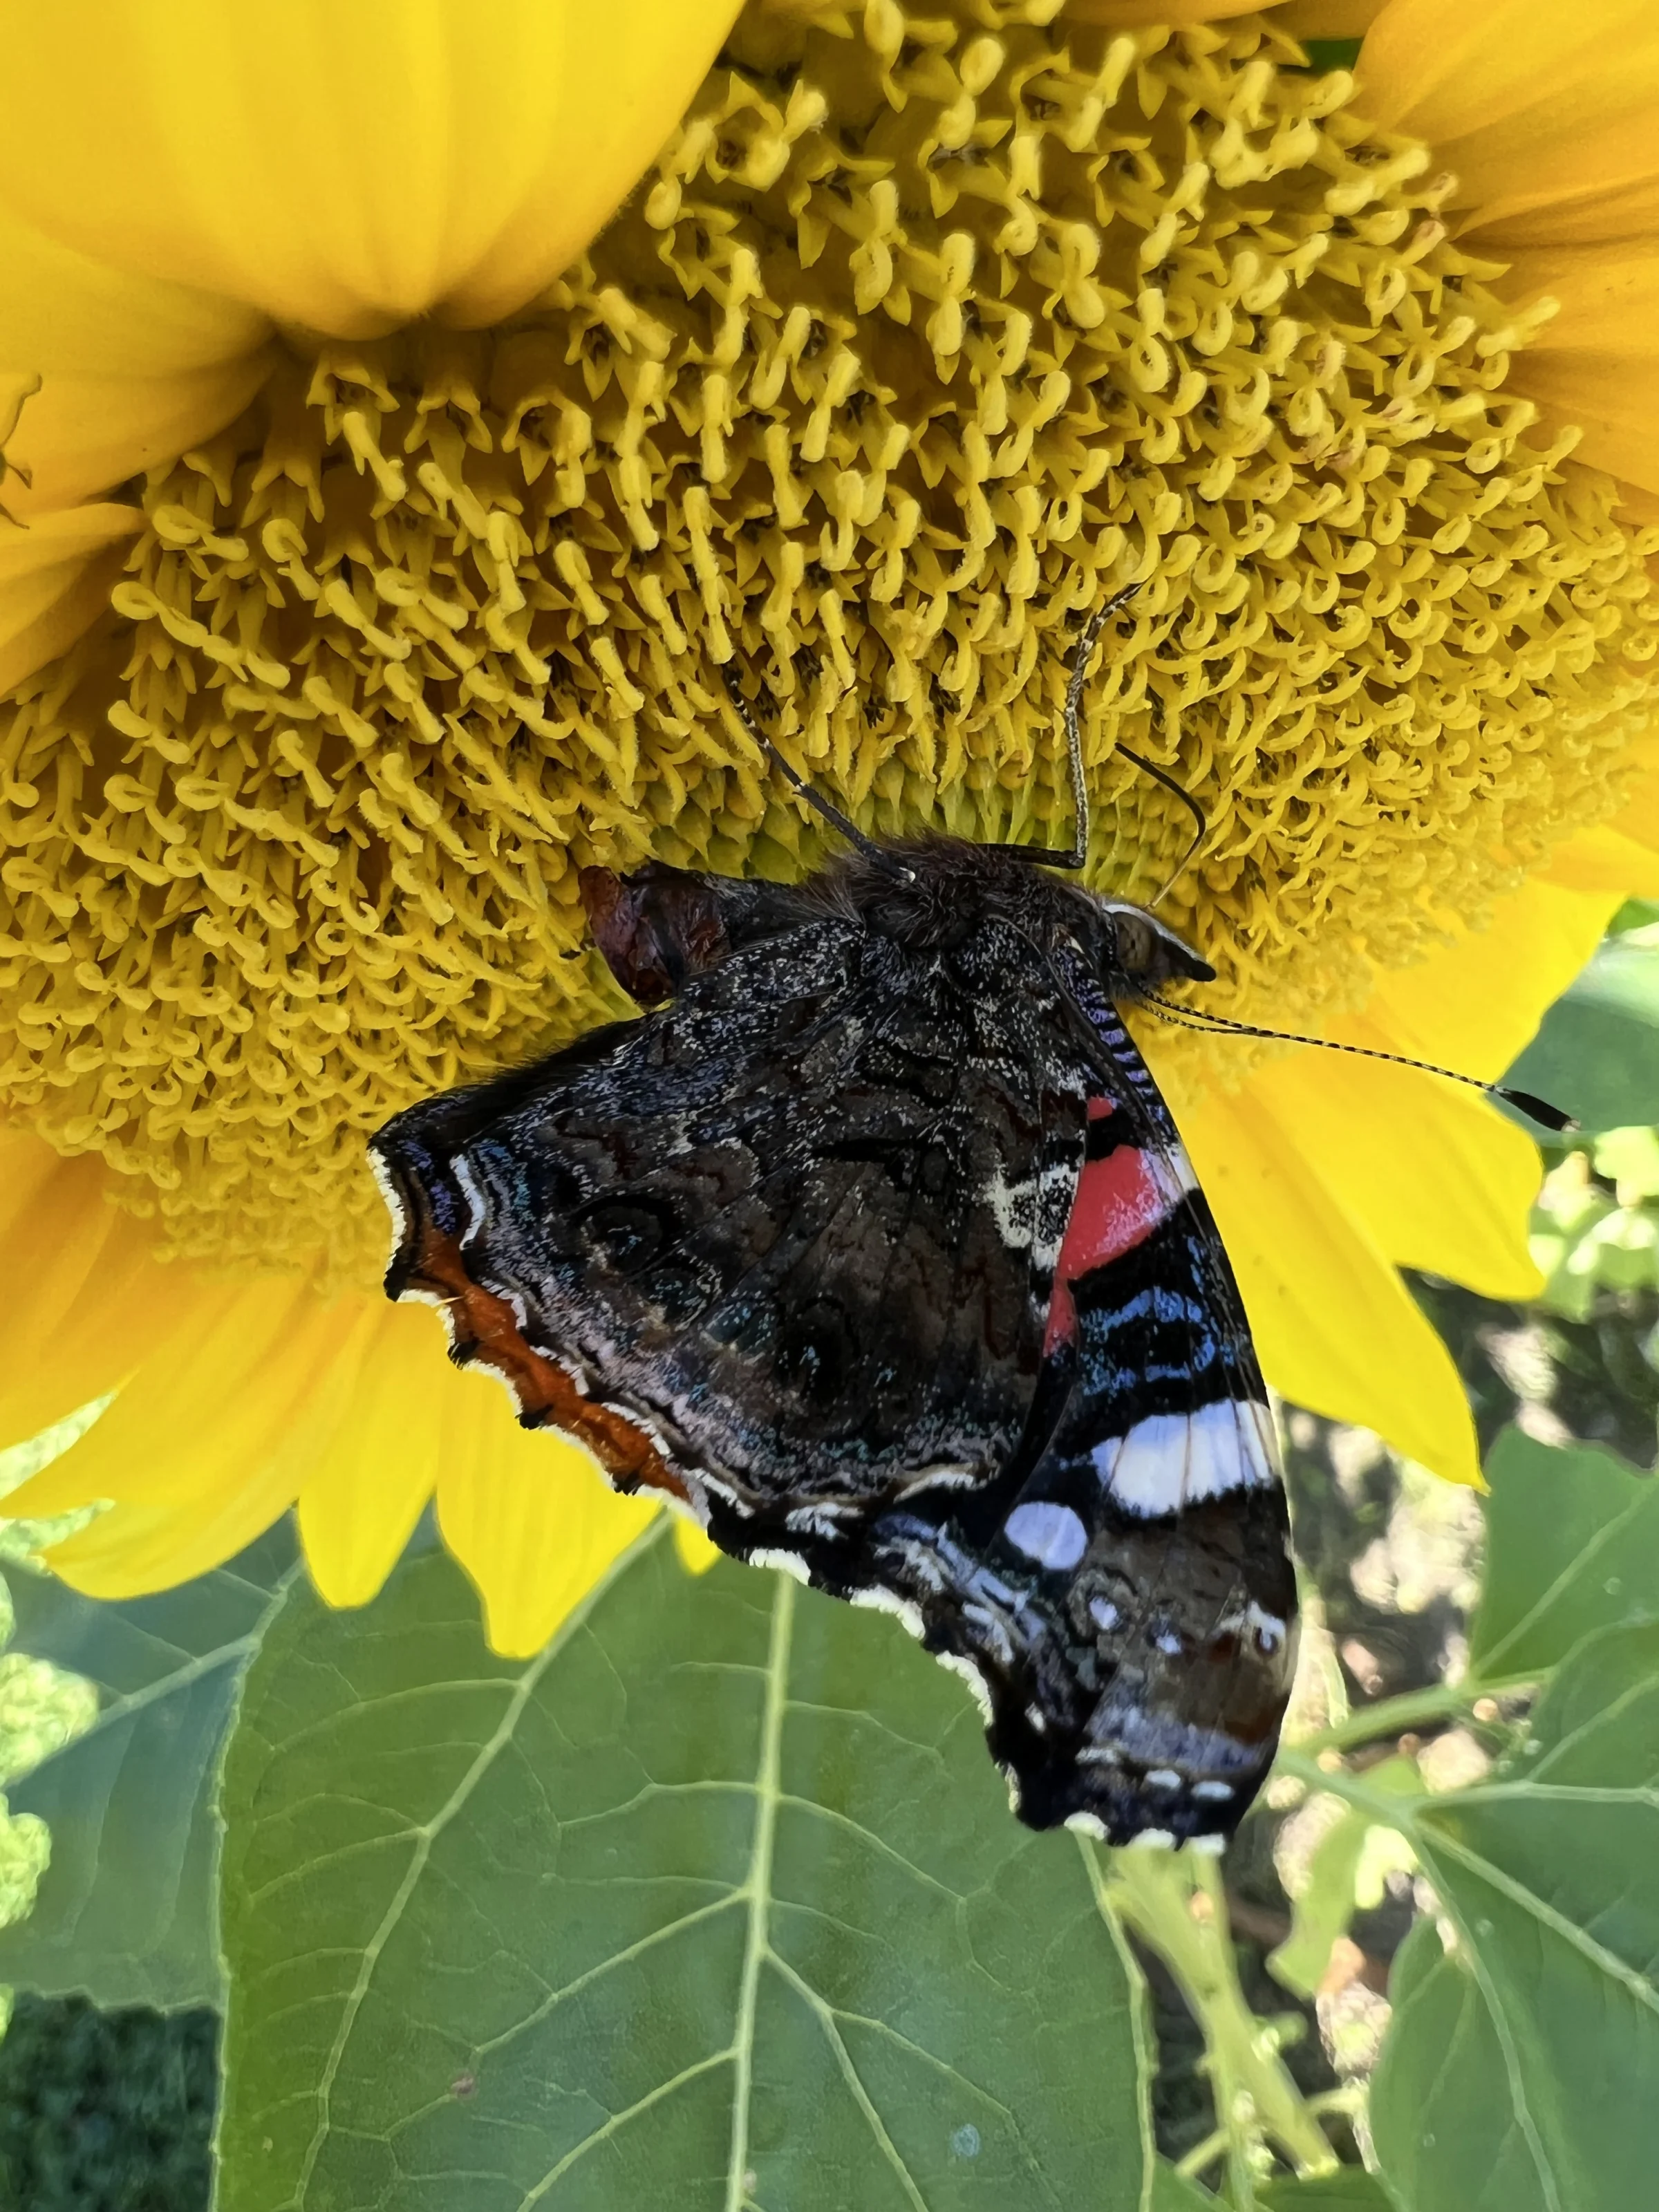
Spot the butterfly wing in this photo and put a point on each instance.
(878, 1248)
(783, 1247)
(1122, 1594)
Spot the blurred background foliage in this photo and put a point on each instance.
(112, 1720)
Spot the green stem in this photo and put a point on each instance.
(1388, 1811)
(1203, 2155)
(1152, 1892)
(1394, 1716)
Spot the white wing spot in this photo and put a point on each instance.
(1267, 1629)
(1172, 1460)
(1051, 1534)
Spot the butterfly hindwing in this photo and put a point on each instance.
(1123, 1593)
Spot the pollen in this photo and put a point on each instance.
(928, 329)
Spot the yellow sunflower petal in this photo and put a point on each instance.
(1638, 818)
(527, 1513)
(377, 1460)
(1622, 857)
(1608, 861)
(697, 1554)
(344, 164)
(1596, 363)
(1545, 115)
(1327, 19)
(1303, 19)
(1541, 111)
(220, 1400)
(134, 1547)
(1133, 14)
(55, 573)
(129, 371)
(1334, 1326)
(1474, 1004)
(1436, 1176)
(86, 1304)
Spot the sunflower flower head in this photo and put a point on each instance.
(926, 330)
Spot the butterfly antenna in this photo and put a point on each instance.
(826, 807)
(1076, 855)
(1192, 1017)
(1201, 829)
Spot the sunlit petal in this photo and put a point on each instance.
(1475, 1003)
(1542, 110)
(55, 573)
(1335, 1327)
(381, 1431)
(129, 371)
(85, 1303)
(1596, 363)
(1327, 19)
(1608, 861)
(226, 1399)
(1438, 1177)
(342, 164)
(1132, 15)
(1545, 114)
(697, 1553)
(1303, 19)
(134, 1548)
(527, 1513)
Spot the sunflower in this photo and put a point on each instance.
(408, 414)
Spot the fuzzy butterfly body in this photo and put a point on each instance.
(873, 1246)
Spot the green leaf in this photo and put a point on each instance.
(716, 1903)
(126, 1908)
(1572, 1546)
(1596, 1053)
(1349, 2189)
(1173, 2192)
(1517, 2072)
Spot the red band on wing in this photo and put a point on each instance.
(1119, 1202)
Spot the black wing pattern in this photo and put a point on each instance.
(878, 1249)
(799, 1225)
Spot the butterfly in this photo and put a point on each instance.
(873, 1246)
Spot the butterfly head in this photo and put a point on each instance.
(1145, 952)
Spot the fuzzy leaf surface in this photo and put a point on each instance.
(1517, 2072)
(716, 1903)
(126, 1909)
(1572, 1546)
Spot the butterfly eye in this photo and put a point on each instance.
(1134, 944)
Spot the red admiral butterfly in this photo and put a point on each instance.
(873, 1246)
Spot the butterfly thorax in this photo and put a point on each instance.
(659, 928)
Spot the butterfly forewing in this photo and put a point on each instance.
(877, 1249)
(799, 1223)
